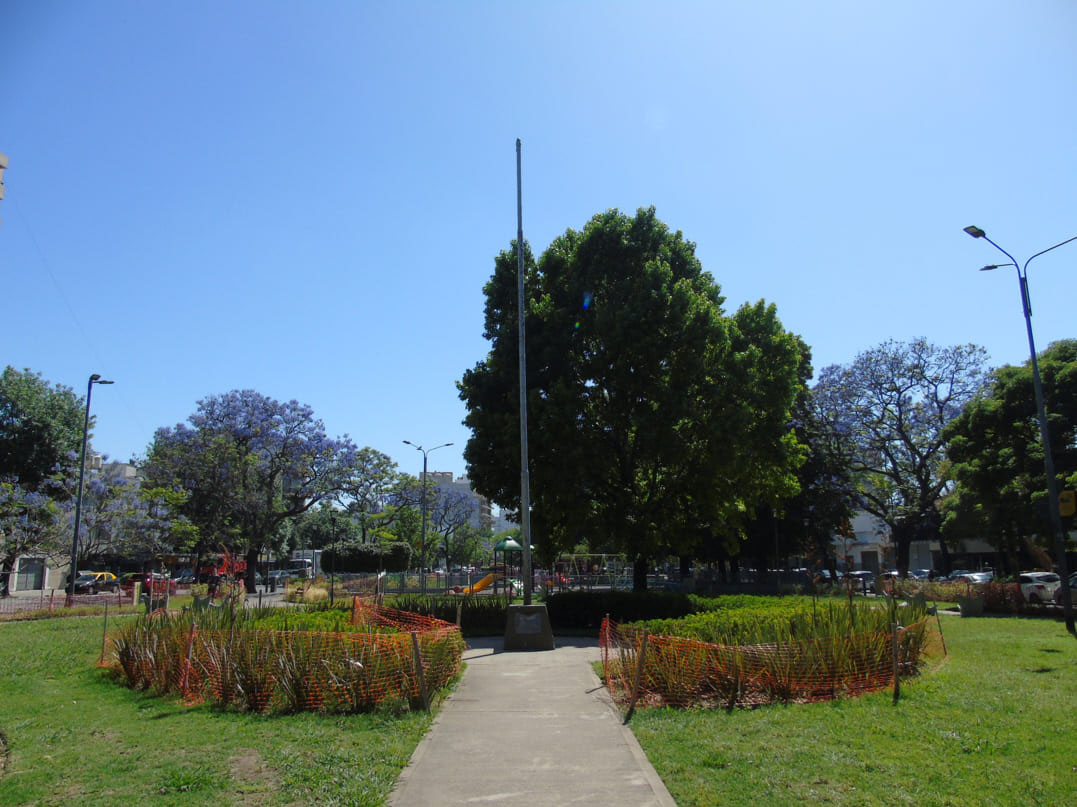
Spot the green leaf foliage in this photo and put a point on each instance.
(759, 620)
(997, 457)
(40, 428)
(653, 417)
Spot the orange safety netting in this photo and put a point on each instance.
(284, 670)
(685, 672)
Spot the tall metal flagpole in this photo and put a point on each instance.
(525, 486)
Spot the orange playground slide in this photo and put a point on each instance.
(486, 582)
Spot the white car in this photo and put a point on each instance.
(1038, 586)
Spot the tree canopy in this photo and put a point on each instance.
(40, 429)
(40, 437)
(825, 500)
(30, 522)
(997, 457)
(653, 417)
(890, 406)
(249, 463)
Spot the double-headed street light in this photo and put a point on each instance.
(1041, 412)
(94, 379)
(422, 536)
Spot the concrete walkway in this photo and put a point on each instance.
(530, 728)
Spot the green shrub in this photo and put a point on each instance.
(789, 619)
(320, 617)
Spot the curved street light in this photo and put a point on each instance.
(94, 379)
(422, 537)
(1041, 413)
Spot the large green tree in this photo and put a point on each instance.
(40, 437)
(653, 417)
(40, 429)
(325, 526)
(370, 491)
(826, 498)
(890, 406)
(997, 457)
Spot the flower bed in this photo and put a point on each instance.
(848, 653)
(228, 660)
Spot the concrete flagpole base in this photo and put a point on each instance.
(528, 628)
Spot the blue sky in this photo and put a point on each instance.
(306, 198)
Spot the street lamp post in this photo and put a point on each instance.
(94, 379)
(422, 535)
(1041, 413)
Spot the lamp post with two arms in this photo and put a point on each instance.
(1041, 413)
(422, 536)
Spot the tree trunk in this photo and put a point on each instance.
(944, 556)
(249, 578)
(6, 568)
(901, 535)
(639, 574)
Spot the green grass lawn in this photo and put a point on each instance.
(75, 737)
(995, 724)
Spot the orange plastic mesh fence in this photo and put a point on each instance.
(259, 670)
(685, 672)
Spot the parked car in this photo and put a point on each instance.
(919, 574)
(1073, 588)
(955, 576)
(862, 580)
(93, 582)
(159, 582)
(279, 576)
(1038, 586)
(971, 577)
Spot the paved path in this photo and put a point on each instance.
(530, 728)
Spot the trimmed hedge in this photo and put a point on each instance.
(583, 609)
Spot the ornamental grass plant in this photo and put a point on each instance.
(766, 650)
(288, 661)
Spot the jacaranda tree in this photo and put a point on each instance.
(890, 406)
(249, 463)
(30, 522)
